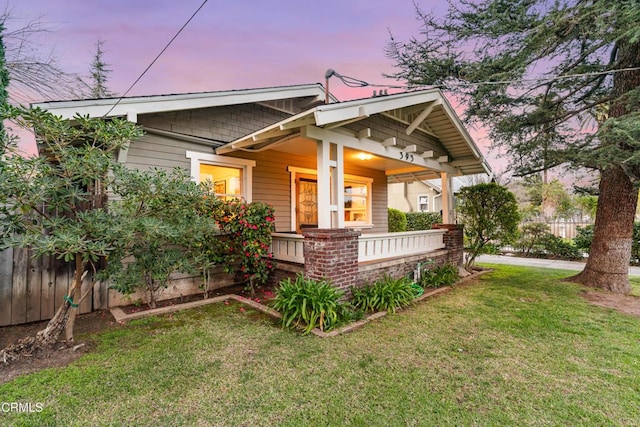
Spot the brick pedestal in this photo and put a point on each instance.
(331, 254)
(454, 242)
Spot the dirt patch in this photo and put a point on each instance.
(628, 304)
(61, 354)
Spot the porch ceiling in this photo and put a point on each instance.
(425, 113)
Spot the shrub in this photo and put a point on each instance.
(530, 236)
(489, 213)
(250, 226)
(309, 303)
(441, 275)
(397, 221)
(584, 238)
(422, 220)
(554, 246)
(384, 294)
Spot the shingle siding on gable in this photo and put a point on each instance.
(219, 123)
(383, 127)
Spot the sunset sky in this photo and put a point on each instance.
(229, 44)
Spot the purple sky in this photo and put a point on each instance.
(230, 44)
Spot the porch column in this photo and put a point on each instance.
(337, 186)
(331, 254)
(330, 161)
(447, 198)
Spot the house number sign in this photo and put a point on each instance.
(406, 156)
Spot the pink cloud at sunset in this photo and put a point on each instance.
(229, 44)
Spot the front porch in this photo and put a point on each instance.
(349, 258)
(289, 247)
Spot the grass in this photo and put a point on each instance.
(517, 348)
(635, 285)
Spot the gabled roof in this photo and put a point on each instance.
(185, 101)
(427, 111)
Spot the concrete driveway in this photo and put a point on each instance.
(541, 263)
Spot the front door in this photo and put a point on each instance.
(306, 202)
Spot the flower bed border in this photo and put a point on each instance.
(121, 317)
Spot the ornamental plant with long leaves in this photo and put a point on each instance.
(249, 226)
(309, 303)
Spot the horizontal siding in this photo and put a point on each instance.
(272, 181)
(271, 178)
(272, 184)
(162, 152)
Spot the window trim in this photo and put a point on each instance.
(418, 202)
(293, 170)
(198, 158)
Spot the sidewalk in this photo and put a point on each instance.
(541, 263)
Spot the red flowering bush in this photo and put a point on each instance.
(249, 226)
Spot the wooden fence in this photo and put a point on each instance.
(32, 289)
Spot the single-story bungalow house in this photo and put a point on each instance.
(324, 167)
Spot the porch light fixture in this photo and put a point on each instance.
(364, 156)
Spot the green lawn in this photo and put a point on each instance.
(517, 348)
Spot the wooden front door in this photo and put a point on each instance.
(306, 202)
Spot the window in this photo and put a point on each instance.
(356, 192)
(229, 177)
(356, 202)
(423, 203)
(225, 182)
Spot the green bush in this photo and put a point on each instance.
(397, 221)
(422, 220)
(489, 213)
(384, 294)
(310, 303)
(557, 247)
(584, 238)
(441, 275)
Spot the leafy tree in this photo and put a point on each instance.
(588, 205)
(55, 203)
(162, 215)
(538, 73)
(488, 212)
(530, 235)
(99, 72)
(551, 199)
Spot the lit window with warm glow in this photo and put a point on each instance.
(228, 177)
(225, 182)
(356, 202)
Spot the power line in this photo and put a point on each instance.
(353, 82)
(155, 59)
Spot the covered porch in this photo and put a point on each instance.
(342, 154)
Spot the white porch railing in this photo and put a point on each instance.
(373, 247)
(287, 247)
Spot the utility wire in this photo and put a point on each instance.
(155, 59)
(353, 82)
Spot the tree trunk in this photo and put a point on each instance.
(64, 319)
(608, 263)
